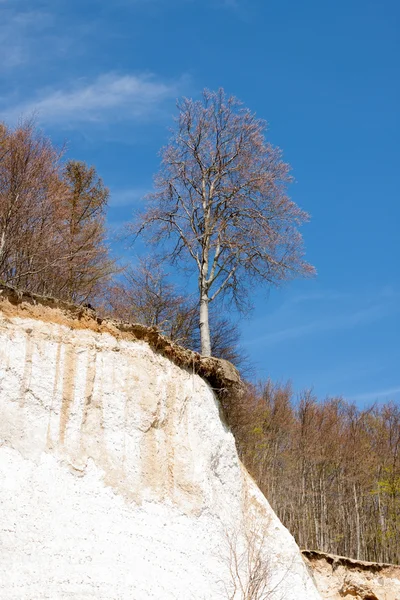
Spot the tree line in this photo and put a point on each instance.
(330, 469)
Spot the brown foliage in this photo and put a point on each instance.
(51, 218)
(330, 470)
(30, 191)
(82, 210)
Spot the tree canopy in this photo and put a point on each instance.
(220, 204)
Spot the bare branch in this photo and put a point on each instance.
(221, 202)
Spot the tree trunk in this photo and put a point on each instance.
(358, 528)
(2, 243)
(204, 327)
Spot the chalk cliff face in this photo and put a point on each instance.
(118, 478)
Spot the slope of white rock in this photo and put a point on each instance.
(118, 479)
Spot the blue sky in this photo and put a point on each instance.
(104, 76)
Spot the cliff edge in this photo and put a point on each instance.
(339, 577)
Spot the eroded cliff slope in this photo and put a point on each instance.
(341, 578)
(118, 478)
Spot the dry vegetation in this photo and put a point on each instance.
(330, 469)
(52, 219)
(249, 564)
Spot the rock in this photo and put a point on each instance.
(338, 577)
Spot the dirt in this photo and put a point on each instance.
(339, 577)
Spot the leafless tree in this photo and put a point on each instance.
(220, 204)
(30, 189)
(52, 232)
(87, 265)
(145, 294)
(249, 564)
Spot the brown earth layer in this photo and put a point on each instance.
(338, 577)
(221, 374)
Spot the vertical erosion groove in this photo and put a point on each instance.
(68, 389)
(54, 394)
(89, 385)
(26, 376)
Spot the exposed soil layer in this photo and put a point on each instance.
(220, 374)
(340, 577)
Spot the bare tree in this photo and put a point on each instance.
(82, 216)
(30, 189)
(221, 205)
(144, 294)
(52, 231)
(250, 572)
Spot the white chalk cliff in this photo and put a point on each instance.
(118, 478)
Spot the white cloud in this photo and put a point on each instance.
(127, 197)
(324, 324)
(377, 395)
(20, 34)
(110, 97)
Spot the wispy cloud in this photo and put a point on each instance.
(377, 395)
(127, 197)
(110, 97)
(317, 296)
(242, 10)
(229, 4)
(19, 34)
(347, 320)
(220, 3)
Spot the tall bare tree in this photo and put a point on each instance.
(30, 189)
(52, 218)
(82, 217)
(221, 205)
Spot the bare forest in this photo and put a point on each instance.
(330, 470)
